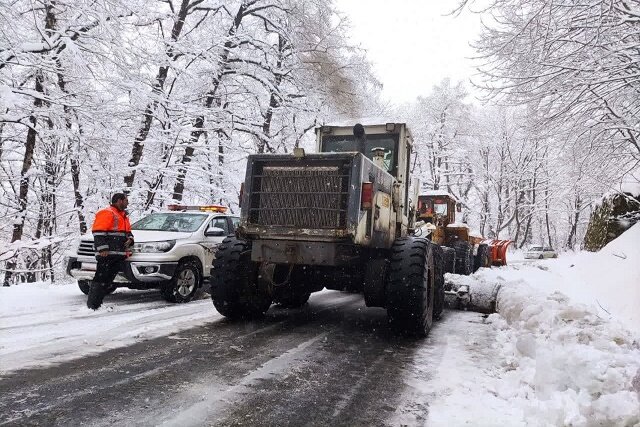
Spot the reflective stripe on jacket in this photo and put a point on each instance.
(110, 219)
(111, 229)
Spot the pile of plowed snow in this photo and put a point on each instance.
(612, 277)
(562, 362)
(567, 342)
(608, 280)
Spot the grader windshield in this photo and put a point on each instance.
(440, 208)
(344, 143)
(437, 207)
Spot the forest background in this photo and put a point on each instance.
(164, 99)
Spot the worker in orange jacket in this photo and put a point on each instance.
(112, 240)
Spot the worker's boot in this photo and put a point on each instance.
(96, 295)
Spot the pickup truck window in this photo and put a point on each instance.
(181, 222)
(220, 222)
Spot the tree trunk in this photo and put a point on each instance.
(157, 92)
(486, 207)
(27, 161)
(198, 125)
(49, 199)
(30, 144)
(546, 214)
(74, 159)
(527, 229)
(273, 96)
(1, 138)
(31, 261)
(79, 200)
(571, 239)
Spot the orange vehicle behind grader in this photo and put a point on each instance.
(464, 253)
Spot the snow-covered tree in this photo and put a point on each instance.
(162, 98)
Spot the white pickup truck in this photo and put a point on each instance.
(173, 251)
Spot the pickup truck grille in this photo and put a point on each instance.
(313, 197)
(86, 248)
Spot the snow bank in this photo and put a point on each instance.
(557, 362)
(613, 274)
(608, 281)
(563, 364)
(567, 346)
(569, 334)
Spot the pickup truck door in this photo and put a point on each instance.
(210, 243)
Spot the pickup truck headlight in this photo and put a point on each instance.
(154, 247)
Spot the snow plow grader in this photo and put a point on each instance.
(342, 219)
(463, 252)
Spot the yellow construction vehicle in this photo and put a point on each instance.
(464, 253)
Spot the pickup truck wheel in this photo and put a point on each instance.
(236, 291)
(410, 287)
(84, 286)
(185, 283)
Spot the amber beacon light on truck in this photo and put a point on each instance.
(200, 208)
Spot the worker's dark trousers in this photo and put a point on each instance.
(106, 271)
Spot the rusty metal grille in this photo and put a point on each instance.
(313, 197)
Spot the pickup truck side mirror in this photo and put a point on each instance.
(214, 232)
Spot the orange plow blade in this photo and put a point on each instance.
(498, 251)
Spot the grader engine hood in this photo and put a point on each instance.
(316, 197)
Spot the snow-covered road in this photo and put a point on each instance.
(546, 358)
(42, 324)
(332, 362)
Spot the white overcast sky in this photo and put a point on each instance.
(413, 44)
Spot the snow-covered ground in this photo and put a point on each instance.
(42, 324)
(567, 349)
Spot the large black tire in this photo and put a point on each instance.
(410, 287)
(236, 291)
(186, 281)
(85, 285)
(438, 265)
(464, 257)
(481, 258)
(449, 255)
